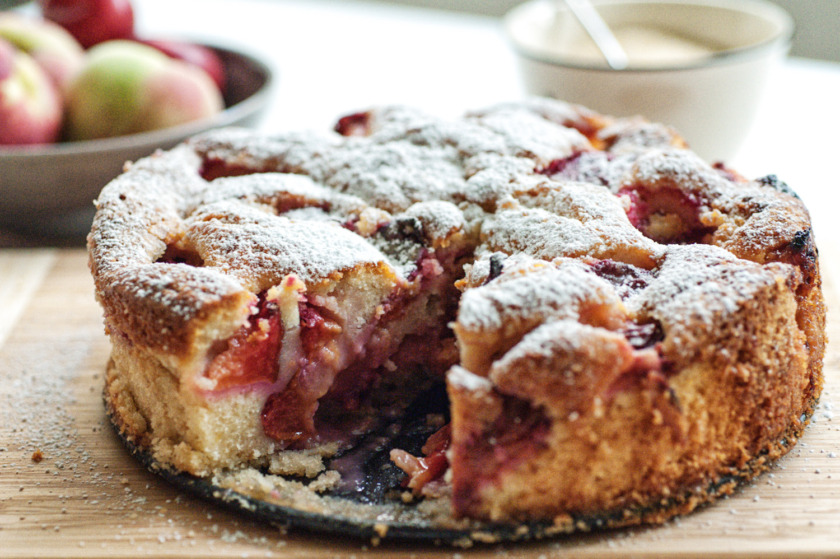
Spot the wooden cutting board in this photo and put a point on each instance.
(69, 489)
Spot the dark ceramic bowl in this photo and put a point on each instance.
(49, 190)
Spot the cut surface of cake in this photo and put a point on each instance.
(617, 329)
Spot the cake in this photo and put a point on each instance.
(623, 330)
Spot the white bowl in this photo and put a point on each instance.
(710, 98)
(49, 190)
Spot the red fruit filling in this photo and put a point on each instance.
(288, 416)
(559, 165)
(430, 346)
(729, 174)
(642, 336)
(213, 168)
(589, 166)
(357, 124)
(250, 356)
(647, 361)
(626, 278)
(431, 466)
(315, 327)
(668, 215)
(588, 125)
(517, 434)
(337, 367)
(649, 372)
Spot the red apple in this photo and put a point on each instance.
(52, 47)
(30, 105)
(197, 55)
(92, 21)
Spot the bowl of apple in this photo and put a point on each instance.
(81, 94)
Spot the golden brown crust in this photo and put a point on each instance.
(153, 410)
(615, 437)
(161, 307)
(635, 326)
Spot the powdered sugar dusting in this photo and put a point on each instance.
(461, 377)
(636, 135)
(547, 340)
(678, 168)
(527, 194)
(545, 235)
(283, 190)
(259, 248)
(439, 219)
(697, 291)
(527, 290)
(526, 134)
(478, 177)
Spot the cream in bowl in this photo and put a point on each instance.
(646, 46)
(698, 65)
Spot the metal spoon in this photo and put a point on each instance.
(599, 31)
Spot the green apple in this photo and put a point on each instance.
(53, 48)
(30, 105)
(126, 87)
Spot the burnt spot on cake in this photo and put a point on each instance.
(801, 240)
(800, 251)
(777, 184)
(356, 124)
(496, 266)
(667, 215)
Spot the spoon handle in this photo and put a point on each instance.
(599, 31)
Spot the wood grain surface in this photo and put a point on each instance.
(69, 489)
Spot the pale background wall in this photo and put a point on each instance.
(817, 21)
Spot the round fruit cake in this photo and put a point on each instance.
(622, 329)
